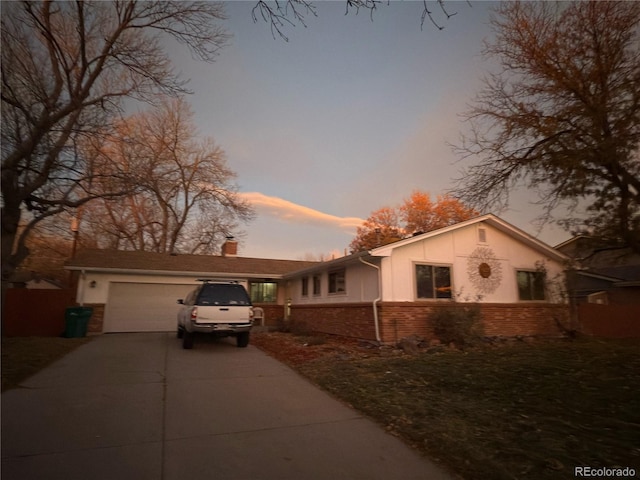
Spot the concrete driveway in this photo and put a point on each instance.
(138, 406)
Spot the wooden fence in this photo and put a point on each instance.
(610, 321)
(32, 312)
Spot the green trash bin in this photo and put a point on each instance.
(76, 320)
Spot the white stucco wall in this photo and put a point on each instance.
(456, 249)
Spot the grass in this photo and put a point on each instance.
(526, 411)
(24, 356)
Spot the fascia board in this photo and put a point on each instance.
(173, 273)
(489, 219)
(353, 258)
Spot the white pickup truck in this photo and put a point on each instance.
(218, 308)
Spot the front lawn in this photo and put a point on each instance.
(25, 356)
(528, 411)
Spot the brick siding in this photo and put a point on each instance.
(96, 323)
(348, 319)
(402, 319)
(273, 314)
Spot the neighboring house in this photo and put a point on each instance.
(604, 287)
(133, 291)
(602, 273)
(389, 292)
(33, 281)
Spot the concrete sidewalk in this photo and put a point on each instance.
(138, 406)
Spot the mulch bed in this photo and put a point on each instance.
(300, 349)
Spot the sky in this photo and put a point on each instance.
(349, 115)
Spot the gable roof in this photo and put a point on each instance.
(151, 263)
(385, 250)
(489, 219)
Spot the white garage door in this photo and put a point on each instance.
(143, 307)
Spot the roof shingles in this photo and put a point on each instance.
(136, 261)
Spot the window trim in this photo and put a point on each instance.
(434, 298)
(304, 287)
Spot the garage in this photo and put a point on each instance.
(136, 291)
(143, 307)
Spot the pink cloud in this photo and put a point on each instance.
(294, 213)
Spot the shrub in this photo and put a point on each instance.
(461, 325)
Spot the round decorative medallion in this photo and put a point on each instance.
(484, 270)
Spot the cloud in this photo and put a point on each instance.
(294, 213)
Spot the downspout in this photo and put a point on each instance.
(375, 302)
(81, 288)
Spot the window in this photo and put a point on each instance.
(433, 281)
(337, 282)
(266, 292)
(305, 286)
(316, 285)
(530, 285)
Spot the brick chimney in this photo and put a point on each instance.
(230, 247)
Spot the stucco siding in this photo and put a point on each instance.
(461, 250)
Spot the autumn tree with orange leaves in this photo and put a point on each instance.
(417, 214)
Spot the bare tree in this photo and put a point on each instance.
(561, 116)
(66, 68)
(280, 14)
(185, 198)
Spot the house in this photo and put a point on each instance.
(383, 294)
(134, 291)
(388, 293)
